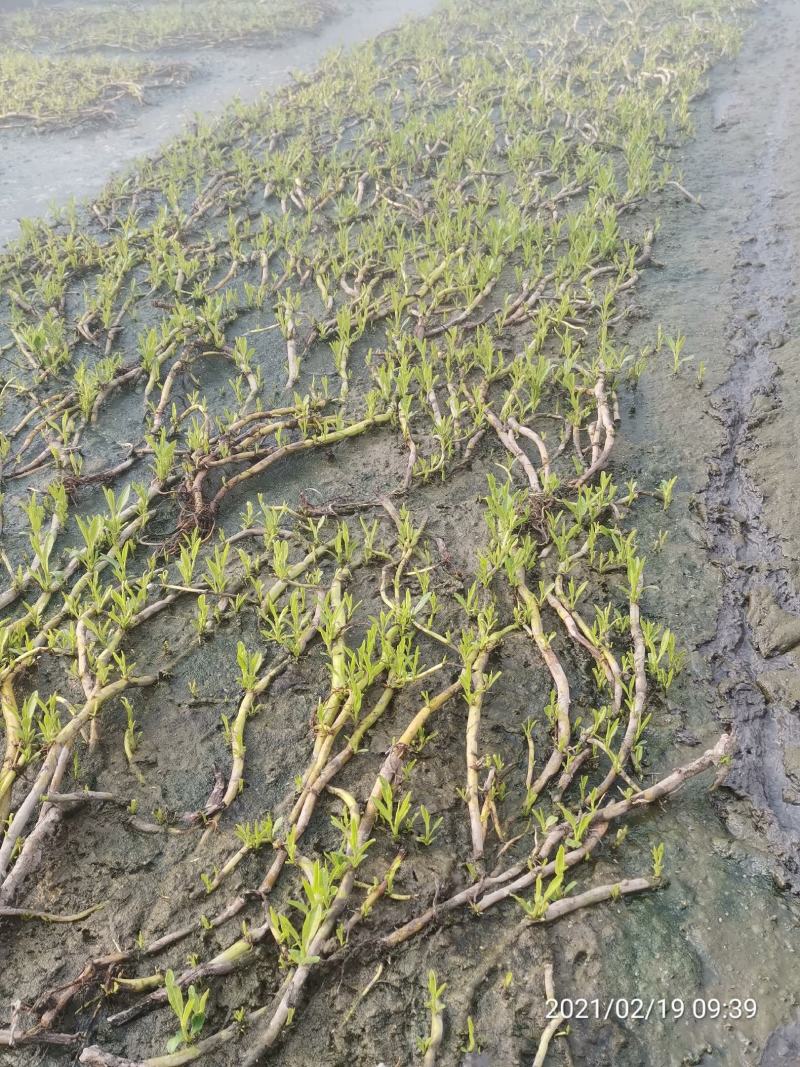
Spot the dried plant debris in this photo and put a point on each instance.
(325, 623)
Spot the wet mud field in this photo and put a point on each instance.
(251, 675)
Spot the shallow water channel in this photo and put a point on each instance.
(39, 171)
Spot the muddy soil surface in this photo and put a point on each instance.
(727, 925)
(39, 171)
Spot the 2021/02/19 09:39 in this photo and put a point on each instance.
(639, 1009)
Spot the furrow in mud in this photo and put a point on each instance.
(758, 625)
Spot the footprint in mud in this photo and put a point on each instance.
(724, 110)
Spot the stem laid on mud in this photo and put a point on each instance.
(557, 1020)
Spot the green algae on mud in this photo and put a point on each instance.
(424, 511)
